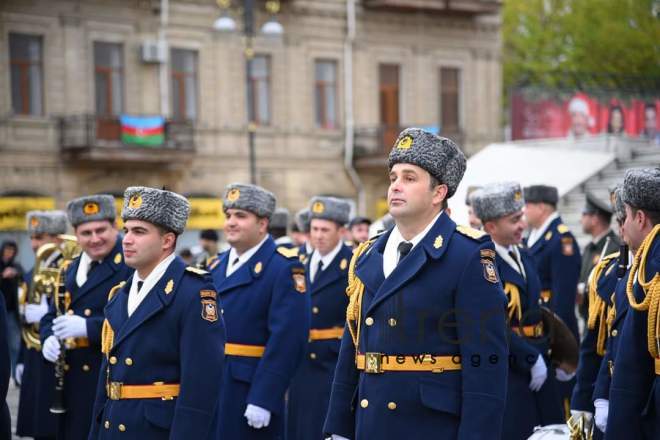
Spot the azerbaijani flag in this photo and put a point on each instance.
(142, 130)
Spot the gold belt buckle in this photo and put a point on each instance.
(373, 363)
(114, 390)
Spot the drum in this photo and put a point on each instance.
(551, 432)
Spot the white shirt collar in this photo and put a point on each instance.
(535, 234)
(135, 298)
(503, 251)
(83, 268)
(308, 248)
(327, 259)
(391, 253)
(243, 258)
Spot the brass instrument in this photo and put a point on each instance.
(580, 428)
(44, 279)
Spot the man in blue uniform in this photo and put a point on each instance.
(634, 404)
(305, 247)
(558, 260)
(89, 278)
(327, 278)
(163, 333)
(262, 288)
(38, 376)
(532, 393)
(424, 353)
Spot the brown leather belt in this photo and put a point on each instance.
(158, 390)
(530, 331)
(244, 350)
(373, 363)
(320, 334)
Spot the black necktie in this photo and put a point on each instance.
(404, 249)
(140, 283)
(319, 268)
(93, 265)
(515, 259)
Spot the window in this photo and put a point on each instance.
(184, 84)
(389, 102)
(325, 88)
(259, 90)
(449, 100)
(25, 59)
(109, 81)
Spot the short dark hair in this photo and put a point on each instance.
(209, 234)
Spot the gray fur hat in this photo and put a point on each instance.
(279, 219)
(329, 208)
(640, 188)
(91, 208)
(303, 218)
(251, 198)
(441, 157)
(160, 207)
(541, 194)
(468, 194)
(497, 200)
(616, 200)
(46, 222)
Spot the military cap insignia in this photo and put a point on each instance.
(91, 208)
(196, 270)
(470, 232)
(169, 287)
(34, 222)
(298, 275)
(517, 196)
(234, 195)
(318, 208)
(548, 235)
(562, 228)
(343, 264)
(135, 201)
(405, 143)
(438, 242)
(288, 252)
(258, 267)
(567, 246)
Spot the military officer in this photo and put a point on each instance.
(277, 228)
(557, 258)
(38, 378)
(163, 333)
(327, 278)
(304, 244)
(473, 220)
(531, 394)
(634, 404)
(358, 227)
(424, 353)
(262, 287)
(596, 219)
(89, 278)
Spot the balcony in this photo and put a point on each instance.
(93, 138)
(449, 7)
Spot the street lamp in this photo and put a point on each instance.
(270, 28)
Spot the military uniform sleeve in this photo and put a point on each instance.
(482, 333)
(288, 324)
(565, 272)
(340, 418)
(523, 352)
(201, 353)
(588, 367)
(602, 385)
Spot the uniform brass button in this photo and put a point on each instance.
(66, 367)
(121, 427)
(113, 360)
(392, 322)
(222, 311)
(315, 310)
(128, 361)
(369, 321)
(391, 406)
(69, 312)
(85, 367)
(615, 332)
(88, 312)
(106, 425)
(364, 403)
(312, 355)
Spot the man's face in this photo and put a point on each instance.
(360, 233)
(244, 229)
(144, 244)
(633, 228)
(579, 123)
(410, 194)
(473, 220)
(8, 253)
(325, 235)
(38, 240)
(209, 246)
(96, 238)
(587, 222)
(534, 214)
(507, 230)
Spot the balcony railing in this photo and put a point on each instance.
(465, 7)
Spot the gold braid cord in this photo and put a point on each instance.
(355, 290)
(514, 306)
(107, 333)
(598, 310)
(651, 302)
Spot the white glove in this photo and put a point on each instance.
(70, 326)
(539, 374)
(337, 437)
(563, 376)
(586, 414)
(257, 417)
(34, 312)
(602, 409)
(51, 348)
(18, 373)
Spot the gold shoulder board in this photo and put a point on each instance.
(562, 228)
(288, 252)
(470, 232)
(196, 270)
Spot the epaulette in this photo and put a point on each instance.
(611, 256)
(474, 234)
(289, 253)
(115, 289)
(562, 228)
(196, 270)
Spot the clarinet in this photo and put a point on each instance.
(58, 406)
(622, 267)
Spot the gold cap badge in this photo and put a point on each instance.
(91, 208)
(318, 207)
(135, 202)
(405, 143)
(34, 222)
(233, 195)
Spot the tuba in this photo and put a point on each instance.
(50, 258)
